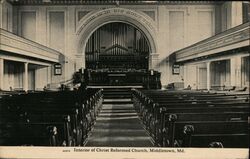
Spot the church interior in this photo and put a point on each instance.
(124, 73)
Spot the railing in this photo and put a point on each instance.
(230, 39)
(24, 47)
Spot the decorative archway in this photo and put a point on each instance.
(97, 19)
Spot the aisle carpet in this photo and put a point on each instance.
(118, 125)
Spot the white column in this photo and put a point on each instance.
(25, 77)
(1, 72)
(233, 71)
(208, 75)
(185, 76)
(49, 74)
(197, 77)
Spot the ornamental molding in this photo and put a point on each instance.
(136, 15)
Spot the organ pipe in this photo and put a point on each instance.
(115, 39)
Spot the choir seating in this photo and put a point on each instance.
(62, 118)
(193, 118)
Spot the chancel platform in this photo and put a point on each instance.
(119, 77)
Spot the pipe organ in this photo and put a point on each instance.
(117, 46)
(117, 54)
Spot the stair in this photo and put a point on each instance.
(118, 124)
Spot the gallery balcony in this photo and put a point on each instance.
(231, 39)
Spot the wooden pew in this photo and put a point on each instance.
(222, 107)
(228, 140)
(36, 134)
(159, 127)
(209, 127)
(154, 110)
(32, 110)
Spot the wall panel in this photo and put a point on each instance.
(57, 31)
(176, 30)
(28, 25)
(205, 24)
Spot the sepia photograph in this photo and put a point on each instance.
(124, 79)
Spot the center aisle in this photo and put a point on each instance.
(118, 125)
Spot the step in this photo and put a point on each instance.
(117, 100)
(117, 90)
(117, 96)
(115, 87)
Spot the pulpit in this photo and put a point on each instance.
(116, 78)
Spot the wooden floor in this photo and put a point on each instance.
(118, 125)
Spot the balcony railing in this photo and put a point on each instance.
(24, 47)
(230, 39)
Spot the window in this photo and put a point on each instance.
(246, 11)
